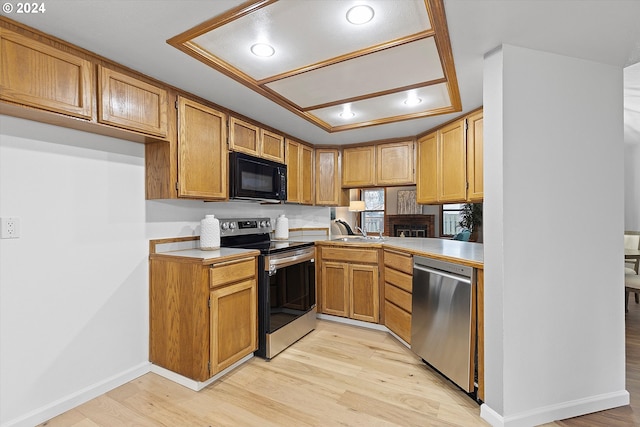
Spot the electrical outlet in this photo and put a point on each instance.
(10, 228)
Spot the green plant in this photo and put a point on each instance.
(471, 216)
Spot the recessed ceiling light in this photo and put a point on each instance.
(263, 50)
(360, 14)
(412, 100)
(346, 112)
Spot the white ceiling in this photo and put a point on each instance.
(134, 33)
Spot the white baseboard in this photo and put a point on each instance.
(66, 403)
(556, 412)
(193, 384)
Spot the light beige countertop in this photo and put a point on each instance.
(205, 257)
(466, 253)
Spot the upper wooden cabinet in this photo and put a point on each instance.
(378, 165)
(475, 170)
(328, 189)
(452, 163)
(427, 169)
(41, 76)
(132, 104)
(202, 151)
(272, 146)
(449, 161)
(395, 164)
(251, 139)
(300, 177)
(358, 166)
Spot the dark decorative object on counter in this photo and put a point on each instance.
(471, 219)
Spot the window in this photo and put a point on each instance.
(450, 219)
(373, 215)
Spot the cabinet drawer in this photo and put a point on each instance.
(351, 255)
(397, 296)
(399, 279)
(398, 321)
(399, 261)
(232, 271)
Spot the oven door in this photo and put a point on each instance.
(286, 302)
(292, 293)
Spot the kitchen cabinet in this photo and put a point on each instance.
(480, 329)
(398, 288)
(358, 167)
(233, 312)
(427, 169)
(127, 102)
(248, 138)
(475, 170)
(385, 164)
(395, 163)
(202, 151)
(442, 165)
(203, 316)
(349, 284)
(38, 75)
(452, 163)
(328, 190)
(300, 182)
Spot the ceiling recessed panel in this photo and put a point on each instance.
(401, 66)
(307, 57)
(376, 109)
(308, 32)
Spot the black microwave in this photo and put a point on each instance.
(253, 178)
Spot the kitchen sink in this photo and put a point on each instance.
(371, 239)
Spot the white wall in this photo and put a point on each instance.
(554, 307)
(74, 286)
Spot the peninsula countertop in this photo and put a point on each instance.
(466, 253)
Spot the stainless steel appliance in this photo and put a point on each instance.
(253, 178)
(286, 283)
(442, 322)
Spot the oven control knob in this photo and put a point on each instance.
(224, 225)
(268, 223)
(263, 224)
(232, 225)
(272, 269)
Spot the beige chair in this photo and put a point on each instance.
(631, 284)
(631, 241)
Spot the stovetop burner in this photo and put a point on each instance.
(254, 233)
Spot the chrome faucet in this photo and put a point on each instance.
(364, 233)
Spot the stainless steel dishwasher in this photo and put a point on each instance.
(442, 322)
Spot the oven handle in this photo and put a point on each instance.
(274, 264)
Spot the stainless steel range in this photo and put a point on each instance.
(286, 282)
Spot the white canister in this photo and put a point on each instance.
(282, 228)
(209, 233)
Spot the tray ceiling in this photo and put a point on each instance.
(336, 74)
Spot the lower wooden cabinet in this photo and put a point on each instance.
(233, 323)
(349, 285)
(203, 317)
(398, 286)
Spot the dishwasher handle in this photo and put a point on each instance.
(463, 279)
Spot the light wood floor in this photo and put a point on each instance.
(338, 375)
